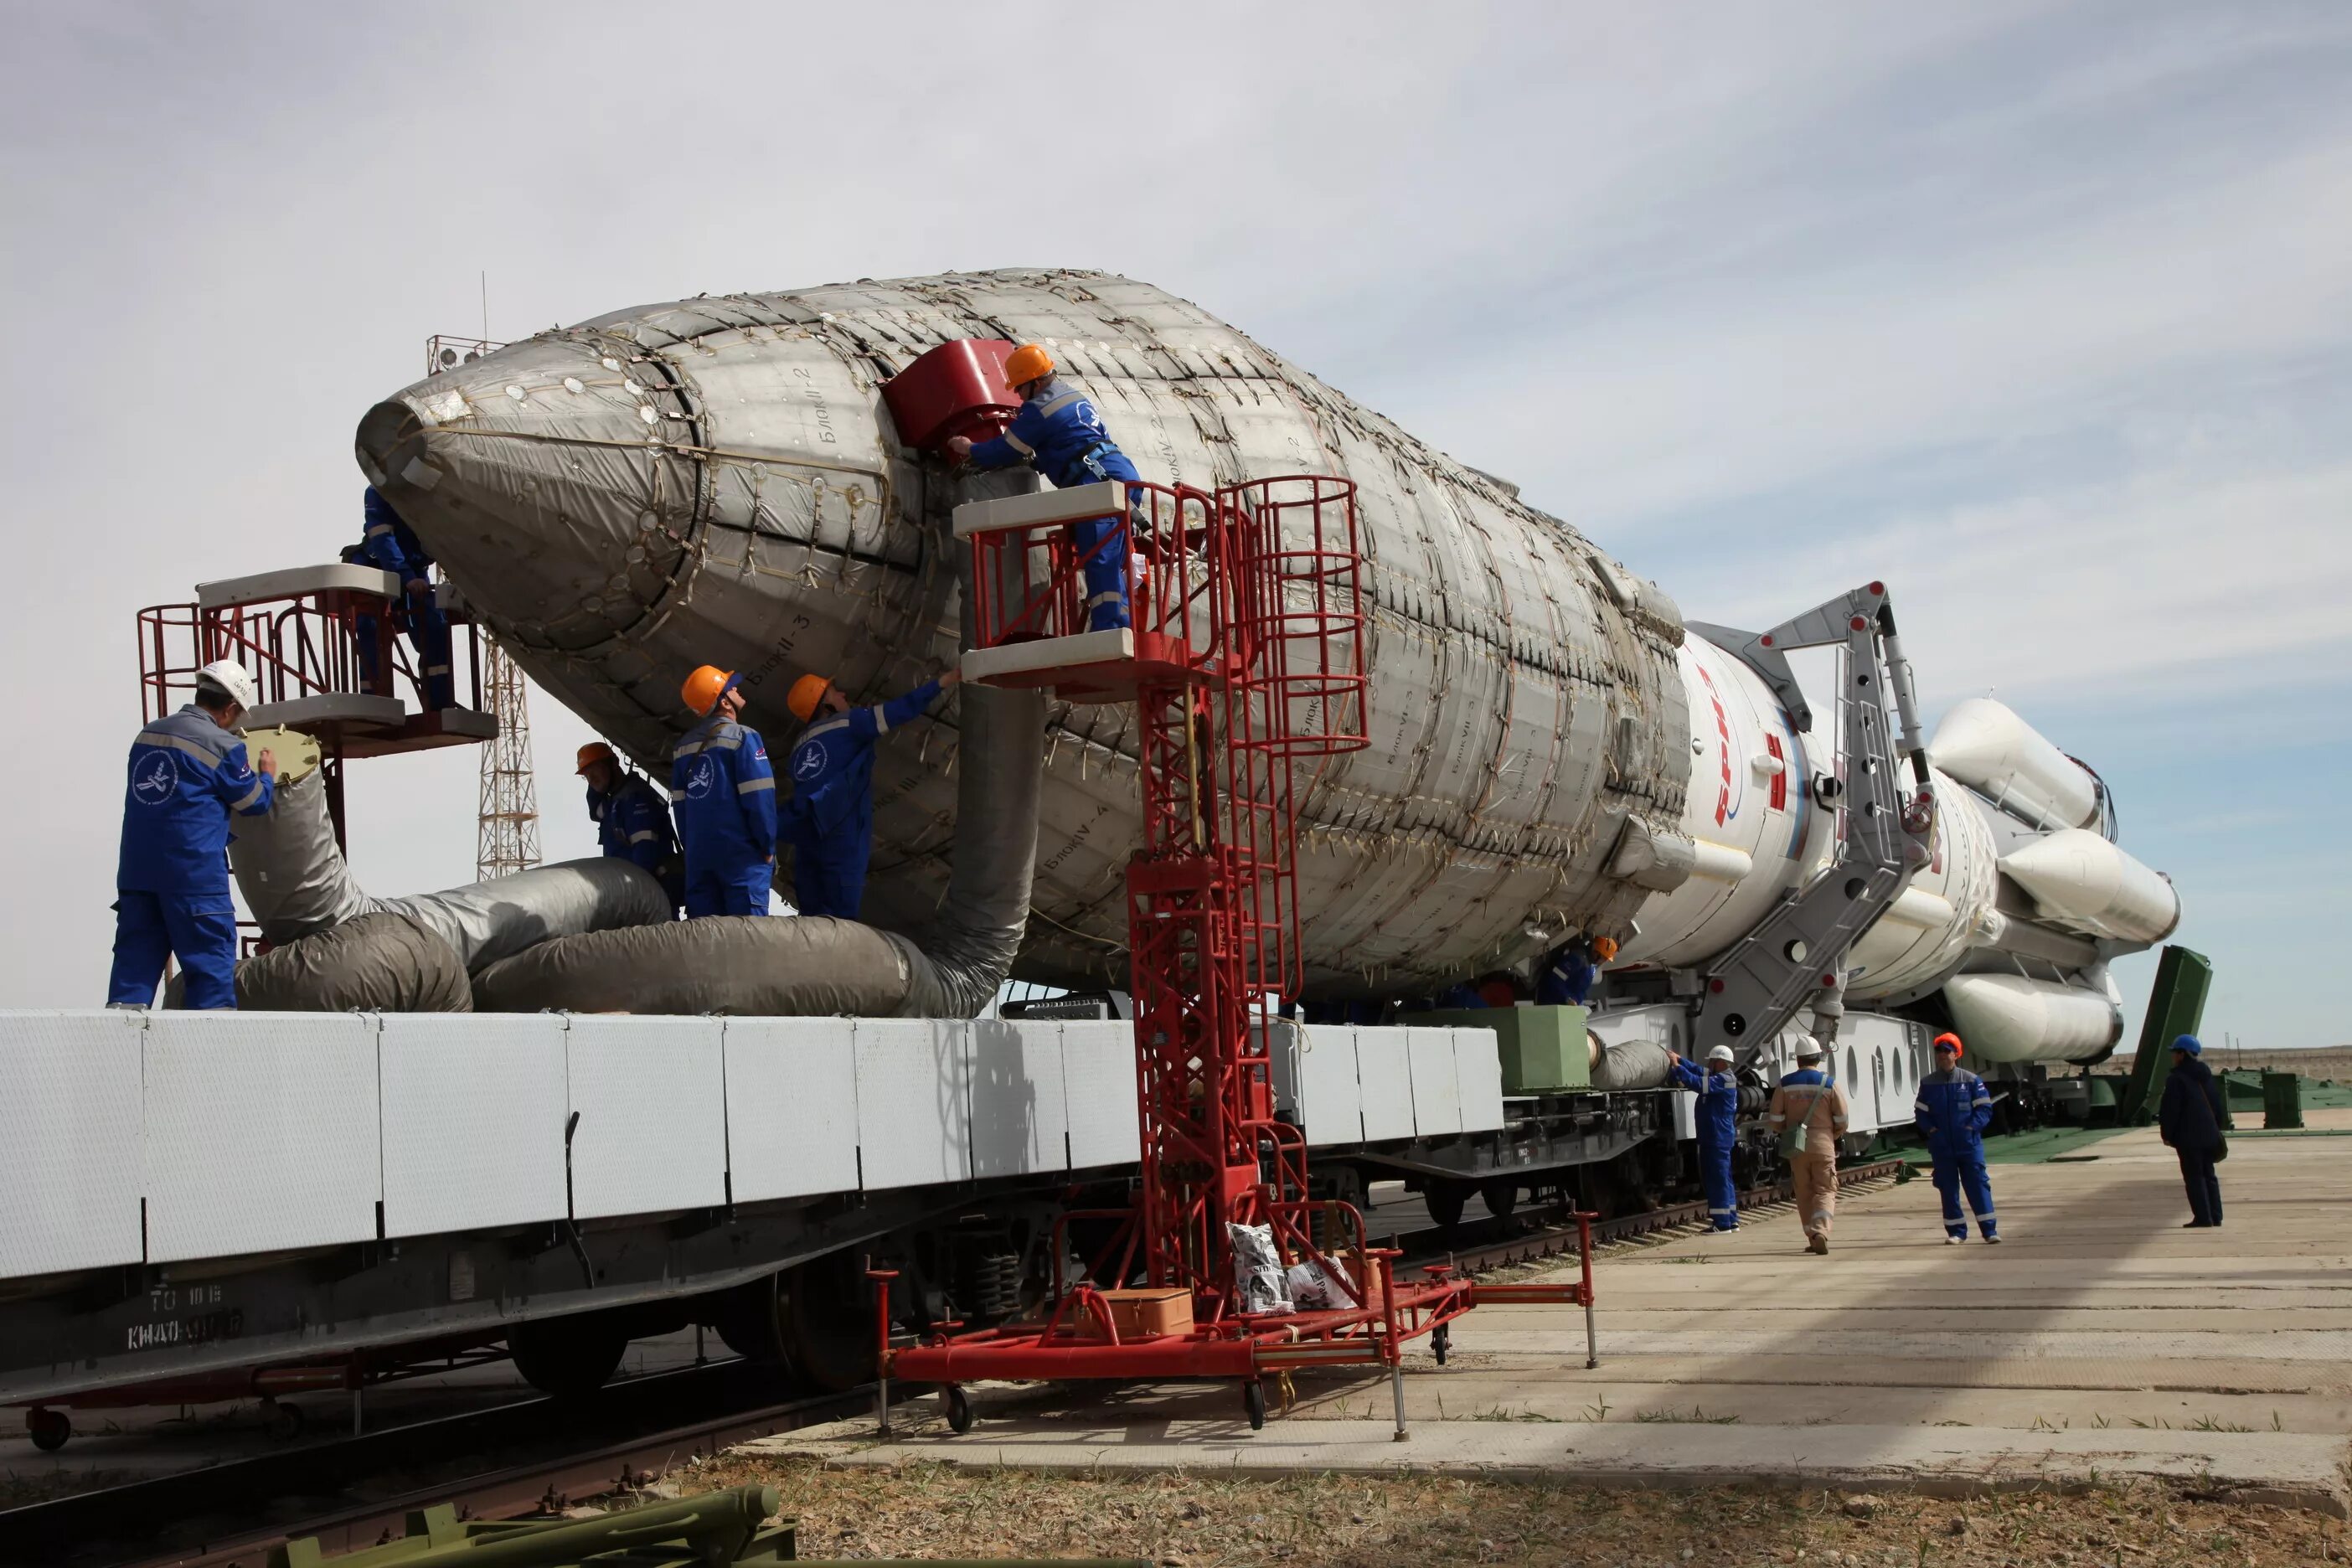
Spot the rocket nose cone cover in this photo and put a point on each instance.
(535, 470)
(1985, 745)
(2080, 877)
(2009, 1018)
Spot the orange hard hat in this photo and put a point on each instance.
(704, 687)
(1605, 948)
(1947, 1039)
(594, 752)
(1025, 363)
(807, 693)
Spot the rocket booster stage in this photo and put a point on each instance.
(718, 481)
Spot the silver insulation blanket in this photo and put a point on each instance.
(382, 961)
(289, 868)
(718, 480)
(1630, 1064)
(485, 922)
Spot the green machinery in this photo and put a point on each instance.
(2176, 1006)
(1543, 1048)
(724, 1527)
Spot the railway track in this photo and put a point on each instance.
(635, 1431)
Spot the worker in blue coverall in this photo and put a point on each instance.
(724, 793)
(1058, 432)
(1567, 975)
(829, 820)
(188, 776)
(1952, 1111)
(390, 545)
(1718, 1102)
(631, 818)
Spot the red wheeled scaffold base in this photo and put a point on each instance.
(1244, 655)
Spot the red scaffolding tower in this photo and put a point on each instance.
(1245, 656)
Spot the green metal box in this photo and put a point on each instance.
(2281, 1099)
(1543, 1048)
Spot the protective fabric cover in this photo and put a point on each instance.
(485, 922)
(379, 961)
(723, 964)
(757, 966)
(289, 868)
(1630, 1064)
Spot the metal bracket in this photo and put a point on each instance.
(1750, 992)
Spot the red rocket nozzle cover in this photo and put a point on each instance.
(955, 389)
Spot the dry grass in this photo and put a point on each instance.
(2329, 1062)
(1216, 1520)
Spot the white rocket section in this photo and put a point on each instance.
(1944, 911)
(1748, 813)
(1988, 747)
(2080, 880)
(2009, 1018)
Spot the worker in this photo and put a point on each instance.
(188, 776)
(2190, 1119)
(632, 817)
(1952, 1111)
(389, 545)
(1059, 434)
(725, 795)
(829, 820)
(1569, 972)
(1717, 1089)
(1808, 1114)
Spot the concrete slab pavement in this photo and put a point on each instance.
(2099, 1341)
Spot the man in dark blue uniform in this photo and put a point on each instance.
(829, 820)
(1058, 433)
(390, 545)
(1569, 975)
(188, 774)
(1952, 1111)
(632, 817)
(1718, 1104)
(2190, 1120)
(725, 795)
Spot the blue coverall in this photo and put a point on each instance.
(829, 820)
(187, 774)
(1953, 1110)
(1568, 976)
(390, 545)
(633, 824)
(724, 793)
(1058, 433)
(1718, 1102)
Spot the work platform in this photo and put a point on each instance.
(2101, 1341)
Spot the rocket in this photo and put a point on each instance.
(1552, 749)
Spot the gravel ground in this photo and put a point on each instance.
(1210, 1521)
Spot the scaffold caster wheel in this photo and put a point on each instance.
(48, 1428)
(959, 1409)
(1254, 1401)
(1440, 1341)
(286, 1421)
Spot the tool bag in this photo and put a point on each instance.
(1792, 1133)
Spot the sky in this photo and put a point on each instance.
(2040, 313)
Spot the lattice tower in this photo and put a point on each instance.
(509, 798)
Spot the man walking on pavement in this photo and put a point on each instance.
(1059, 434)
(829, 820)
(2190, 1118)
(389, 545)
(1718, 1103)
(1808, 1114)
(632, 817)
(725, 795)
(1952, 1111)
(188, 776)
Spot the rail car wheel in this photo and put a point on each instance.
(828, 1322)
(286, 1421)
(750, 1320)
(959, 1408)
(569, 1358)
(1501, 1195)
(1445, 1200)
(48, 1428)
(1253, 1403)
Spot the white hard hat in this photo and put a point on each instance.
(228, 675)
(1719, 1054)
(1807, 1048)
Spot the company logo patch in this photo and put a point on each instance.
(808, 762)
(699, 782)
(156, 779)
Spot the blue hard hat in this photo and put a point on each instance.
(2190, 1043)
